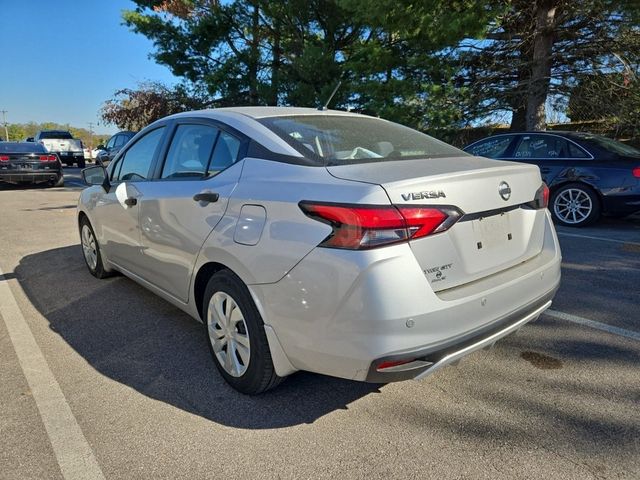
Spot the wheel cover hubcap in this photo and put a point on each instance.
(573, 206)
(228, 334)
(89, 248)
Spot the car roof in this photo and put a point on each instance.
(265, 112)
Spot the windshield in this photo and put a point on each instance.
(613, 145)
(56, 134)
(339, 140)
(27, 147)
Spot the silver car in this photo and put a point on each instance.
(324, 241)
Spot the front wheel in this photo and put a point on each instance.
(237, 339)
(575, 205)
(91, 250)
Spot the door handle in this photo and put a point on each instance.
(130, 202)
(208, 197)
(545, 170)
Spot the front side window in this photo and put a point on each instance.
(136, 162)
(542, 147)
(492, 147)
(190, 151)
(344, 139)
(120, 141)
(111, 142)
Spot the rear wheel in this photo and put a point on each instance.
(59, 182)
(575, 205)
(237, 339)
(91, 250)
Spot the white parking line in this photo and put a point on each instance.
(613, 240)
(623, 332)
(72, 451)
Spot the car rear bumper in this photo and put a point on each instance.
(343, 313)
(624, 203)
(29, 177)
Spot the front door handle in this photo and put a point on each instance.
(208, 197)
(130, 202)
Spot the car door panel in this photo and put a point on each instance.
(174, 224)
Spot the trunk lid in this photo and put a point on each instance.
(494, 233)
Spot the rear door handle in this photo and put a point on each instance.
(130, 202)
(208, 197)
(545, 170)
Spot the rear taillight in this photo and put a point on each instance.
(636, 172)
(48, 158)
(4, 158)
(541, 199)
(358, 227)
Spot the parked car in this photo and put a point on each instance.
(588, 175)
(68, 149)
(324, 241)
(106, 152)
(22, 162)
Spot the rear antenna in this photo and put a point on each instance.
(326, 104)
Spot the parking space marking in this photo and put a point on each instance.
(72, 451)
(613, 240)
(623, 332)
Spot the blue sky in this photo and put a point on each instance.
(61, 59)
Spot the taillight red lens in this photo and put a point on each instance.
(4, 158)
(358, 227)
(545, 195)
(541, 199)
(48, 158)
(636, 172)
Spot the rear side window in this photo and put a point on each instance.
(493, 147)
(542, 146)
(225, 154)
(577, 152)
(136, 162)
(190, 151)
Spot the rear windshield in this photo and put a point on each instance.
(339, 140)
(26, 147)
(612, 145)
(55, 134)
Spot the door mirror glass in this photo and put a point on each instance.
(96, 175)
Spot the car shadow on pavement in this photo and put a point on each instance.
(134, 337)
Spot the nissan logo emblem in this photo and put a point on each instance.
(504, 190)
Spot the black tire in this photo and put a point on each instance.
(98, 270)
(585, 209)
(59, 182)
(259, 375)
(82, 163)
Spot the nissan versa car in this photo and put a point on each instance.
(588, 174)
(324, 241)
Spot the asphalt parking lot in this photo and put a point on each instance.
(102, 379)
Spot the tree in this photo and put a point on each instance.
(538, 50)
(134, 109)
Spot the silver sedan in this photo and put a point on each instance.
(323, 241)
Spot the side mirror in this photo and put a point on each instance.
(29, 139)
(100, 147)
(96, 175)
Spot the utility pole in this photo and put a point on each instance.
(90, 140)
(4, 122)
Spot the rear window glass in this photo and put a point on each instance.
(55, 134)
(27, 147)
(338, 140)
